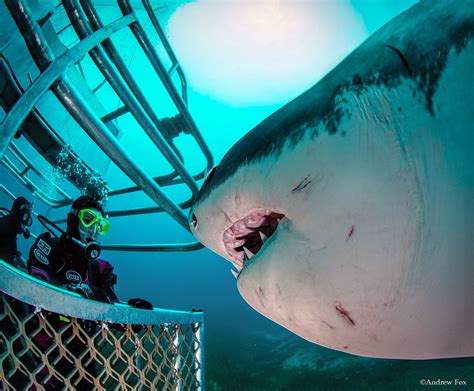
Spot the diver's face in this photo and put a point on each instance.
(89, 234)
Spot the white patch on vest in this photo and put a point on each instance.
(73, 276)
(41, 257)
(87, 290)
(43, 246)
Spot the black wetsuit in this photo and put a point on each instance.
(62, 262)
(9, 229)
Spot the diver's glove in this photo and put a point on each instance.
(83, 289)
(140, 303)
(18, 261)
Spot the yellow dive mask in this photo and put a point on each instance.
(89, 217)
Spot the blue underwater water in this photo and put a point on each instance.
(243, 350)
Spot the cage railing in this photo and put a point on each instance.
(50, 337)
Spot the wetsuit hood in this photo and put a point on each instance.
(17, 211)
(72, 219)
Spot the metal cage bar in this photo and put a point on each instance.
(81, 112)
(175, 247)
(150, 52)
(7, 192)
(52, 77)
(109, 47)
(163, 180)
(10, 166)
(51, 73)
(28, 183)
(41, 136)
(175, 67)
(115, 114)
(114, 55)
(78, 19)
(138, 211)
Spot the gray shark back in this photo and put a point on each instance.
(415, 45)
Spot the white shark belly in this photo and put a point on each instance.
(388, 269)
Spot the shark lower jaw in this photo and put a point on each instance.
(245, 237)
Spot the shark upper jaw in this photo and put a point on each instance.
(245, 237)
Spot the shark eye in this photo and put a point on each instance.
(210, 175)
(193, 221)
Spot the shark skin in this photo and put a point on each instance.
(371, 175)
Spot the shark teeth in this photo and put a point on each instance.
(246, 260)
(245, 237)
(234, 273)
(248, 253)
(238, 265)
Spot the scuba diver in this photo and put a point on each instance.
(14, 223)
(71, 260)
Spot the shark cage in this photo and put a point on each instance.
(61, 65)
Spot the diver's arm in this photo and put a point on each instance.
(103, 281)
(105, 295)
(92, 292)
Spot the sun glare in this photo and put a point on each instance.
(261, 52)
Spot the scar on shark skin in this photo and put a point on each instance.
(327, 324)
(344, 313)
(305, 182)
(351, 231)
(259, 295)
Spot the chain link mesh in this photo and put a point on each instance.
(40, 349)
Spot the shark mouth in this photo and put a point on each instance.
(245, 237)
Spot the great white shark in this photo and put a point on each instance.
(348, 213)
